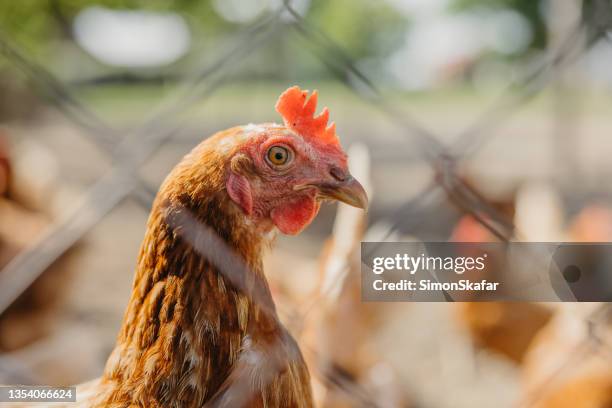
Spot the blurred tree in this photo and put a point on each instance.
(36, 23)
(597, 16)
(358, 24)
(362, 27)
(530, 9)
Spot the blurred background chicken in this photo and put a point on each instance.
(568, 364)
(337, 333)
(551, 342)
(509, 328)
(27, 197)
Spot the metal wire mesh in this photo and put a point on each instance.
(128, 151)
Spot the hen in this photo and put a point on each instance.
(201, 327)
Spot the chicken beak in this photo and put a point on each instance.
(349, 191)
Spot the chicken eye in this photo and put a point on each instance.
(278, 155)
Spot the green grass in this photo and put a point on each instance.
(256, 100)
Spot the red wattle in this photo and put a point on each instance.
(293, 217)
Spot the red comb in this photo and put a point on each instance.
(298, 112)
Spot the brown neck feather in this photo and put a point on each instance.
(186, 318)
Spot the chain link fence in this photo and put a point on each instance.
(129, 150)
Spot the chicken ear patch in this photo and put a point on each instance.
(239, 190)
(293, 217)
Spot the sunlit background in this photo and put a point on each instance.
(511, 99)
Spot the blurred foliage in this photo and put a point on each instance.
(597, 16)
(368, 30)
(359, 25)
(530, 9)
(36, 24)
(43, 30)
